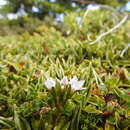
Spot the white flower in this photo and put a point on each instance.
(49, 83)
(75, 84)
(64, 81)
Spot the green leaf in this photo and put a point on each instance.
(91, 109)
(123, 124)
(108, 126)
(20, 122)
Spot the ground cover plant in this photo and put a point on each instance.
(54, 78)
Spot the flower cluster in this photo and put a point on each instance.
(74, 83)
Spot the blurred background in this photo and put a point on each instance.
(22, 13)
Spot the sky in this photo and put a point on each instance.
(128, 6)
(2, 2)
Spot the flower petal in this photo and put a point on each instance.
(81, 83)
(64, 81)
(75, 84)
(73, 80)
(49, 83)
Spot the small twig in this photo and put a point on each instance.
(116, 12)
(110, 8)
(124, 50)
(85, 14)
(110, 30)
